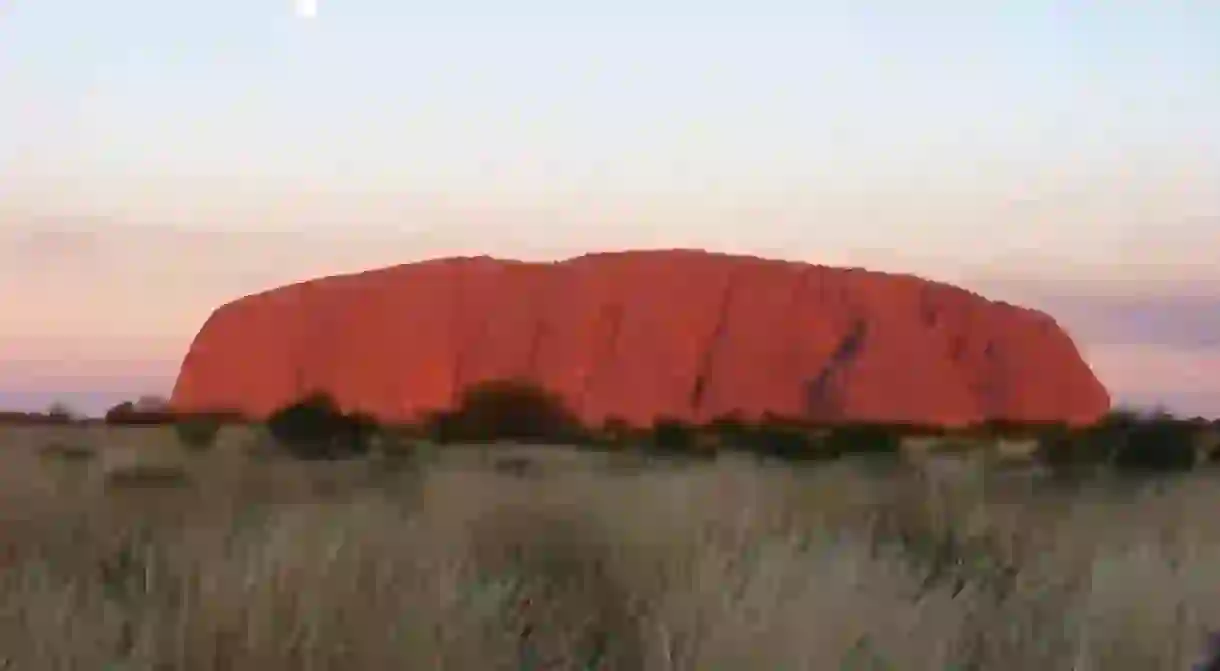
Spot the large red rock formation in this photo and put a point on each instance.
(638, 335)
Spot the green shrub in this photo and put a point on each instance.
(1157, 444)
(441, 427)
(60, 413)
(359, 430)
(863, 439)
(732, 430)
(786, 442)
(1075, 450)
(1002, 429)
(197, 432)
(673, 436)
(120, 413)
(617, 431)
(510, 409)
(919, 430)
(315, 428)
(145, 412)
(398, 443)
(312, 418)
(1124, 440)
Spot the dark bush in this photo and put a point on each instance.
(1070, 451)
(400, 443)
(617, 431)
(197, 432)
(1208, 442)
(1124, 440)
(864, 439)
(613, 433)
(732, 430)
(315, 417)
(1026, 430)
(315, 428)
(1157, 444)
(673, 436)
(918, 430)
(440, 427)
(121, 413)
(60, 413)
(785, 441)
(357, 429)
(1006, 429)
(39, 418)
(134, 414)
(511, 410)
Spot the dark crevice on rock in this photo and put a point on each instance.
(714, 343)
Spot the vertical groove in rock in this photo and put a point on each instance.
(470, 326)
(842, 356)
(792, 348)
(715, 341)
(315, 355)
(456, 322)
(546, 282)
(605, 358)
(299, 336)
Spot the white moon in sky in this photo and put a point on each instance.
(307, 9)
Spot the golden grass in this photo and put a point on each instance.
(731, 564)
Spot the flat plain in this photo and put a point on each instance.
(123, 550)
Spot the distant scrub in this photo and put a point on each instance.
(871, 439)
(673, 436)
(508, 410)
(315, 428)
(56, 414)
(127, 414)
(1160, 443)
(732, 430)
(61, 413)
(785, 441)
(616, 432)
(1126, 442)
(517, 410)
(197, 432)
(1068, 451)
(28, 418)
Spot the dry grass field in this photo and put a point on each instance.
(121, 550)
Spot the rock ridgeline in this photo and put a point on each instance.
(642, 335)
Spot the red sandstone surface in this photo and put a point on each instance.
(641, 335)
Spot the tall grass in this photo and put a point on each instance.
(727, 564)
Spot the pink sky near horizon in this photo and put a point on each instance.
(113, 309)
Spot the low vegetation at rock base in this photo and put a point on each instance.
(510, 410)
(476, 540)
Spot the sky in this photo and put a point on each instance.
(158, 159)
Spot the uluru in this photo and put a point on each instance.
(641, 335)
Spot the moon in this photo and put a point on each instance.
(307, 9)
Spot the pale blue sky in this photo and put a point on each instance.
(1059, 141)
(650, 98)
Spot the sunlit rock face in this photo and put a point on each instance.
(640, 335)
